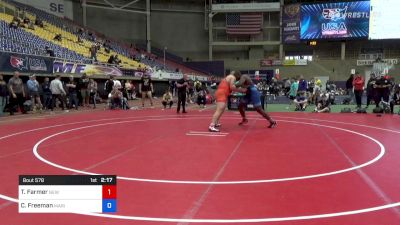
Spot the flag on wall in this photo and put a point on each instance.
(244, 23)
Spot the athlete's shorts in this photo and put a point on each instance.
(221, 95)
(252, 96)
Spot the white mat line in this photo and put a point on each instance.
(209, 135)
(207, 132)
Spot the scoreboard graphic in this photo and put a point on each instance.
(66, 194)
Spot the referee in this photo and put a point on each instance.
(182, 85)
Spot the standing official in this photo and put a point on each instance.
(182, 85)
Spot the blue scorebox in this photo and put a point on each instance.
(109, 205)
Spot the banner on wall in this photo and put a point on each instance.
(291, 23)
(10, 62)
(370, 62)
(89, 69)
(286, 62)
(170, 75)
(295, 62)
(59, 8)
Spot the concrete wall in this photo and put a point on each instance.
(178, 25)
(182, 33)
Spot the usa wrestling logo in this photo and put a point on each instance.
(18, 63)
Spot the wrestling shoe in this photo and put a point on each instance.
(272, 124)
(213, 129)
(244, 121)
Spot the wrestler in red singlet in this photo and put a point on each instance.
(225, 87)
(223, 91)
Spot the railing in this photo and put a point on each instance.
(46, 56)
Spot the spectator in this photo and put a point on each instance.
(133, 90)
(273, 88)
(117, 61)
(93, 53)
(301, 101)
(46, 93)
(358, 86)
(287, 85)
(303, 85)
(172, 87)
(128, 89)
(263, 88)
(14, 24)
(349, 87)
(198, 86)
(39, 22)
(202, 97)
(116, 98)
(167, 99)
(83, 84)
(382, 90)
(323, 103)
(370, 89)
(57, 92)
(111, 60)
(92, 36)
(123, 89)
(293, 90)
(31, 26)
(395, 99)
(117, 83)
(190, 92)
(80, 31)
(79, 40)
(33, 90)
(311, 85)
(17, 93)
(49, 51)
(146, 88)
(26, 20)
(108, 86)
(316, 91)
(72, 93)
(58, 37)
(93, 91)
(3, 95)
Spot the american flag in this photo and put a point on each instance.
(244, 23)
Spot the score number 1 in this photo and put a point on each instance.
(109, 192)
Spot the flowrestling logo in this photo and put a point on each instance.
(334, 14)
(336, 24)
(335, 20)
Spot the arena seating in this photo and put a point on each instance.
(22, 41)
(34, 41)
